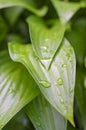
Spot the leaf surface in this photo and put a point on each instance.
(17, 88)
(57, 83)
(65, 10)
(44, 116)
(46, 41)
(27, 4)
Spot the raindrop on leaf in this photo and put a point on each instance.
(60, 81)
(45, 83)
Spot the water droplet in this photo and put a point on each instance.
(44, 48)
(36, 57)
(60, 81)
(11, 90)
(71, 90)
(64, 65)
(62, 101)
(45, 84)
(69, 57)
(38, 123)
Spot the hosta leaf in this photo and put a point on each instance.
(65, 10)
(17, 88)
(45, 40)
(57, 83)
(44, 116)
(27, 4)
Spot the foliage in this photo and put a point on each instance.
(43, 64)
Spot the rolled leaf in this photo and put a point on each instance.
(27, 4)
(44, 116)
(57, 84)
(17, 88)
(46, 41)
(66, 10)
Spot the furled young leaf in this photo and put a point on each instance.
(27, 4)
(45, 40)
(57, 83)
(65, 10)
(44, 116)
(17, 88)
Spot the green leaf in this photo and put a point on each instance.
(69, 127)
(57, 83)
(65, 10)
(17, 88)
(27, 4)
(3, 28)
(45, 40)
(77, 37)
(12, 14)
(80, 93)
(44, 116)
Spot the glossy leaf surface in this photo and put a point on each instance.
(27, 4)
(65, 10)
(17, 88)
(57, 83)
(46, 41)
(44, 116)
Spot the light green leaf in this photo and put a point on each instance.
(17, 88)
(45, 40)
(57, 83)
(44, 116)
(65, 10)
(27, 4)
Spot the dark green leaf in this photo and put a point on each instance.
(80, 93)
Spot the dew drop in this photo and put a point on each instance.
(36, 57)
(64, 65)
(60, 81)
(11, 90)
(62, 101)
(38, 124)
(69, 57)
(44, 48)
(45, 83)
